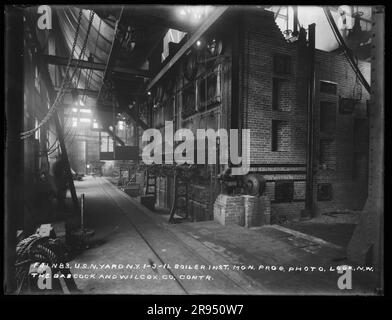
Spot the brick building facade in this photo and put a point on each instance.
(260, 82)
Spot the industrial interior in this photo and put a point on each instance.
(86, 81)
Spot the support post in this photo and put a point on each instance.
(82, 212)
(295, 27)
(64, 155)
(308, 212)
(115, 137)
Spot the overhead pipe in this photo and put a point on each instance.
(347, 52)
(209, 21)
(295, 28)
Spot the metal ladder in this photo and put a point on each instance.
(151, 184)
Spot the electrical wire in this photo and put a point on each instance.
(52, 148)
(64, 84)
(94, 55)
(66, 81)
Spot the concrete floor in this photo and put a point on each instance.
(128, 234)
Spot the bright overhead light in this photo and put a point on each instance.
(85, 120)
(74, 109)
(193, 14)
(85, 110)
(198, 43)
(81, 103)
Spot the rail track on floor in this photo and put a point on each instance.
(104, 184)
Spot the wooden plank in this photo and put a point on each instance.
(84, 64)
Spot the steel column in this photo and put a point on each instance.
(310, 122)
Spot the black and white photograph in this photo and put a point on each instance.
(194, 149)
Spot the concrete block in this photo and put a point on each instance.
(253, 214)
(229, 210)
(265, 209)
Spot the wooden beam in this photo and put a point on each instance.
(84, 64)
(136, 118)
(80, 91)
(211, 19)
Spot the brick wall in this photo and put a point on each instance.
(334, 148)
(260, 42)
(265, 104)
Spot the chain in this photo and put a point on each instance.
(48, 116)
(67, 81)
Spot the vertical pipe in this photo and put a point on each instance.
(366, 245)
(235, 78)
(82, 212)
(376, 186)
(64, 155)
(287, 18)
(310, 120)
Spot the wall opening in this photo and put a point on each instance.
(327, 117)
(282, 64)
(328, 87)
(280, 94)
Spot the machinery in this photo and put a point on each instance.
(251, 184)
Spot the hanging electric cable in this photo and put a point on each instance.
(68, 136)
(50, 149)
(67, 81)
(64, 82)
